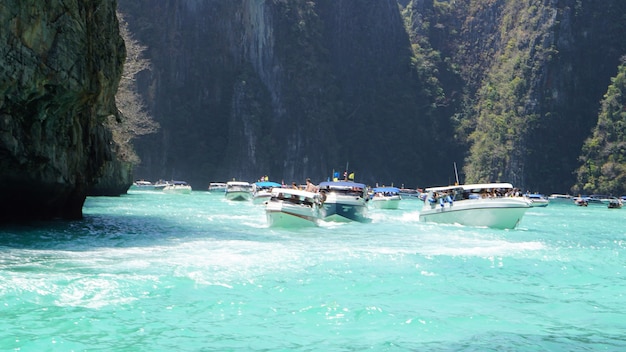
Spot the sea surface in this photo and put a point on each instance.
(155, 272)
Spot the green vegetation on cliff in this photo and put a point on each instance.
(603, 169)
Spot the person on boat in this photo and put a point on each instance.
(310, 187)
(294, 185)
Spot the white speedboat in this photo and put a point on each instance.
(238, 190)
(485, 205)
(142, 185)
(385, 198)
(262, 191)
(537, 200)
(289, 207)
(556, 198)
(343, 201)
(160, 184)
(178, 187)
(217, 187)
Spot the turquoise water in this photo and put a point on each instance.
(156, 272)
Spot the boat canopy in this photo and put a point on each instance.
(386, 190)
(470, 187)
(179, 183)
(534, 195)
(340, 185)
(291, 191)
(267, 184)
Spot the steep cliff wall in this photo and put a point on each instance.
(292, 89)
(60, 64)
(541, 90)
(298, 88)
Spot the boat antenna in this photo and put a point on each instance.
(456, 174)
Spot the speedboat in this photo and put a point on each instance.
(537, 200)
(561, 198)
(217, 187)
(599, 199)
(594, 199)
(615, 203)
(160, 185)
(262, 191)
(178, 187)
(484, 205)
(408, 193)
(581, 201)
(385, 198)
(142, 185)
(343, 201)
(238, 190)
(288, 207)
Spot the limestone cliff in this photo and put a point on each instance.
(60, 64)
(399, 89)
(291, 89)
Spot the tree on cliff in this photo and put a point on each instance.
(603, 158)
(134, 120)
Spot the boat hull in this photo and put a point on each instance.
(238, 196)
(539, 203)
(344, 208)
(500, 213)
(280, 214)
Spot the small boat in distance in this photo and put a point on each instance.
(160, 185)
(615, 203)
(142, 185)
(238, 190)
(561, 198)
(484, 205)
(343, 201)
(408, 193)
(385, 197)
(177, 187)
(217, 187)
(288, 207)
(537, 200)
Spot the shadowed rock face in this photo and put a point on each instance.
(60, 64)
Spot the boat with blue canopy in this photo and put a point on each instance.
(385, 197)
(262, 191)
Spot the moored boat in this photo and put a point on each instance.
(217, 187)
(615, 203)
(262, 191)
(483, 205)
(343, 201)
(178, 187)
(289, 207)
(238, 190)
(161, 184)
(142, 185)
(385, 198)
(408, 193)
(555, 198)
(537, 200)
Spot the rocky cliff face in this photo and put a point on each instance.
(289, 89)
(60, 65)
(295, 89)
